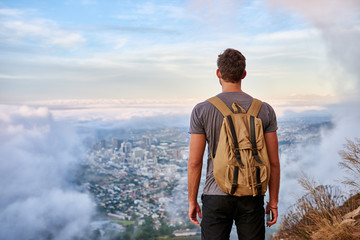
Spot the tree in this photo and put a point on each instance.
(146, 231)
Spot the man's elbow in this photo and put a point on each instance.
(275, 164)
(194, 163)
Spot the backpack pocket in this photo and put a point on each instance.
(245, 180)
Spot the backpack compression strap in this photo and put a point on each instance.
(254, 111)
(253, 140)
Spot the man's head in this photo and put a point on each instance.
(231, 64)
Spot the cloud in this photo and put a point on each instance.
(16, 27)
(123, 109)
(38, 160)
(164, 18)
(133, 29)
(214, 13)
(319, 160)
(121, 113)
(287, 36)
(301, 103)
(338, 23)
(10, 12)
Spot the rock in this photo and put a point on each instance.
(353, 215)
(349, 221)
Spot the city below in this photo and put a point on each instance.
(137, 178)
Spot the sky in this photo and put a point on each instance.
(299, 56)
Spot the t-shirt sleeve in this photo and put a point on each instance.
(196, 123)
(272, 123)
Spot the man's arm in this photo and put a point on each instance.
(274, 182)
(196, 152)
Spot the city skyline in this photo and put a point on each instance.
(298, 56)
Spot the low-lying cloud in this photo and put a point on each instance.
(319, 160)
(38, 160)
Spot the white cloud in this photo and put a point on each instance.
(38, 159)
(10, 12)
(288, 35)
(66, 39)
(302, 102)
(41, 30)
(111, 110)
(41, 112)
(14, 77)
(338, 22)
(319, 160)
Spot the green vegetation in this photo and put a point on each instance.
(123, 222)
(147, 231)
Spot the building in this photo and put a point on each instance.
(116, 143)
(185, 233)
(126, 147)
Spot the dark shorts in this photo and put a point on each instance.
(219, 213)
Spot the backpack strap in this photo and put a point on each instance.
(254, 107)
(253, 140)
(220, 105)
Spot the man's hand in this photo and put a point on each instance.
(275, 214)
(194, 210)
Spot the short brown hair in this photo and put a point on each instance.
(231, 64)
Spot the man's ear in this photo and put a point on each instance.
(218, 73)
(244, 74)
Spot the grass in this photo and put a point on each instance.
(317, 208)
(125, 223)
(318, 215)
(351, 163)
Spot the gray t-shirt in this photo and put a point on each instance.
(206, 119)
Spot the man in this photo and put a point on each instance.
(219, 209)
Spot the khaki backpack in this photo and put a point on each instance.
(241, 163)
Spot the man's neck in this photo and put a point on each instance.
(231, 87)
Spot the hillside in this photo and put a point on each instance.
(345, 226)
(324, 212)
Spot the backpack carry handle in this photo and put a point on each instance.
(235, 106)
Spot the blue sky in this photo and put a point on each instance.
(89, 49)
